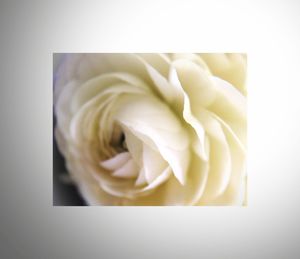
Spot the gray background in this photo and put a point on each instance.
(31, 227)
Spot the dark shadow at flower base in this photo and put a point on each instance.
(64, 193)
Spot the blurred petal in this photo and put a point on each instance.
(116, 162)
(199, 141)
(159, 179)
(195, 82)
(234, 194)
(190, 193)
(230, 107)
(153, 163)
(191, 57)
(230, 67)
(141, 180)
(134, 146)
(159, 62)
(62, 106)
(138, 114)
(219, 159)
(128, 170)
(97, 85)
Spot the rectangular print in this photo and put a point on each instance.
(149, 129)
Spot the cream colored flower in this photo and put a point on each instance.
(153, 129)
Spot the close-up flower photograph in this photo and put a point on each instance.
(150, 129)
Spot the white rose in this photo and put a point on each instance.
(153, 129)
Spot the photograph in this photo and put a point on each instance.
(150, 129)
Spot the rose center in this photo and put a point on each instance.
(118, 140)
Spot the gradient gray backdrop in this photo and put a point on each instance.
(31, 31)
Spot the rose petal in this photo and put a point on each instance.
(191, 57)
(195, 82)
(128, 170)
(174, 193)
(159, 179)
(220, 158)
(161, 83)
(62, 108)
(98, 84)
(153, 163)
(235, 191)
(229, 98)
(159, 62)
(230, 67)
(116, 162)
(172, 146)
(141, 180)
(199, 142)
(134, 146)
